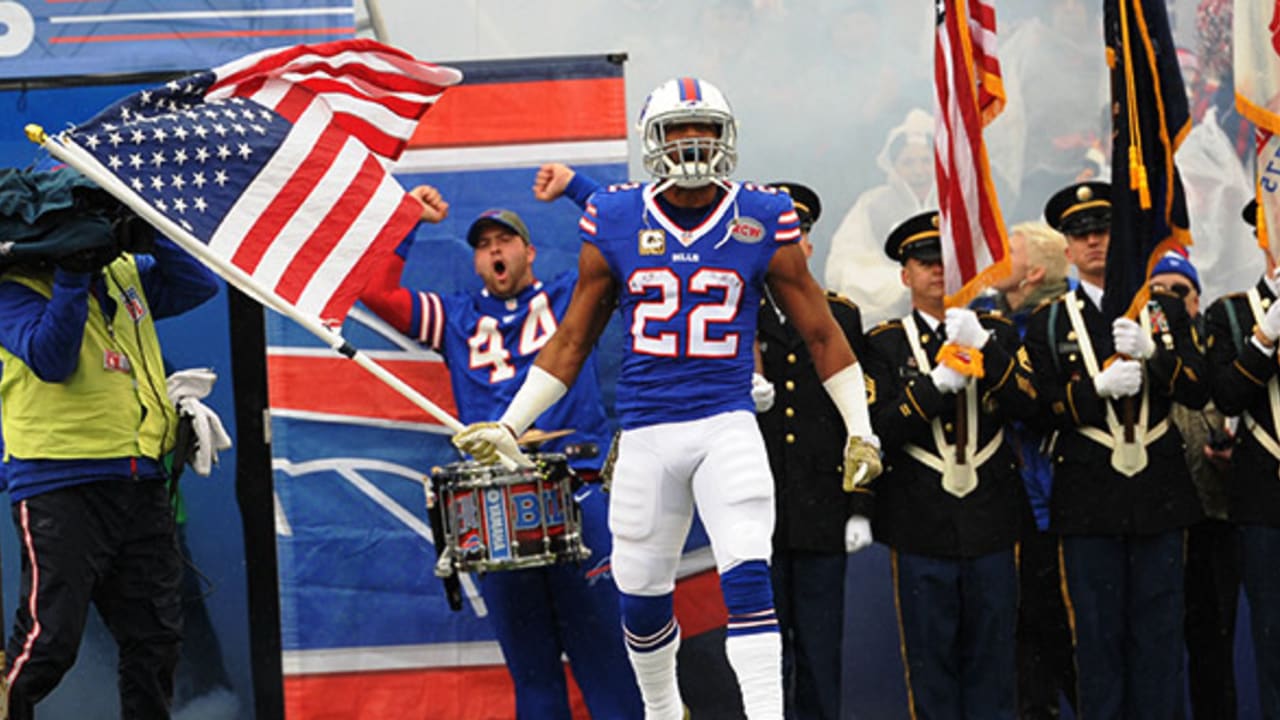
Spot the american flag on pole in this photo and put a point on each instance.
(278, 161)
(1256, 41)
(968, 94)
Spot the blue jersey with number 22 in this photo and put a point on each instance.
(688, 297)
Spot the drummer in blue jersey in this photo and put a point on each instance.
(685, 260)
(489, 339)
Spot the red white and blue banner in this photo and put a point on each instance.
(366, 629)
(50, 38)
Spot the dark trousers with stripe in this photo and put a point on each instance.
(1125, 598)
(1260, 568)
(808, 592)
(957, 619)
(111, 543)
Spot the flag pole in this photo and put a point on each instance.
(77, 158)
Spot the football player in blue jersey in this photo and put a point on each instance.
(489, 339)
(685, 259)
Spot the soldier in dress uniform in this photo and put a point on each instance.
(1121, 498)
(951, 504)
(1243, 329)
(817, 522)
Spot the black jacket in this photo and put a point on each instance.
(806, 436)
(1089, 496)
(1239, 373)
(914, 513)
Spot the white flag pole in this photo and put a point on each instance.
(76, 157)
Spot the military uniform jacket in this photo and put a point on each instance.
(913, 512)
(1240, 375)
(806, 436)
(1090, 496)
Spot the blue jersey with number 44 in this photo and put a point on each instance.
(688, 296)
(489, 344)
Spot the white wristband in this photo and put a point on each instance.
(540, 391)
(848, 390)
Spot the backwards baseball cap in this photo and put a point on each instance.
(497, 216)
(1176, 262)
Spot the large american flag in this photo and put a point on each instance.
(279, 161)
(968, 94)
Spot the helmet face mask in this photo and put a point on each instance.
(684, 159)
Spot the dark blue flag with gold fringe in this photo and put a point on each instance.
(1149, 120)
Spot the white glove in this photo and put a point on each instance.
(491, 443)
(1270, 325)
(186, 388)
(963, 328)
(762, 392)
(947, 380)
(1130, 340)
(857, 534)
(1122, 378)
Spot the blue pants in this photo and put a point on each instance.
(808, 593)
(1125, 598)
(1260, 548)
(957, 618)
(540, 613)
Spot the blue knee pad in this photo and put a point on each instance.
(748, 595)
(648, 621)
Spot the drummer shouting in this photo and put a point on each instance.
(489, 339)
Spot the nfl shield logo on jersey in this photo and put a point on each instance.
(653, 242)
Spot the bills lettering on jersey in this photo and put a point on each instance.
(690, 317)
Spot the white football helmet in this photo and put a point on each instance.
(688, 162)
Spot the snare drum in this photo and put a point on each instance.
(500, 519)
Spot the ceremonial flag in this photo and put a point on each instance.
(968, 94)
(278, 162)
(1256, 38)
(1150, 119)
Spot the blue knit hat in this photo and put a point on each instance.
(1176, 262)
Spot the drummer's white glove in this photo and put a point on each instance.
(762, 392)
(186, 388)
(489, 443)
(857, 534)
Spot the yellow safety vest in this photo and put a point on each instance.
(98, 411)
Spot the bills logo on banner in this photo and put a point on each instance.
(367, 632)
(43, 38)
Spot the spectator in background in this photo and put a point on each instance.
(1213, 566)
(1243, 329)
(816, 523)
(1046, 665)
(856, 266)
(87, 420)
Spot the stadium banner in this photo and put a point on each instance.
(60, 38)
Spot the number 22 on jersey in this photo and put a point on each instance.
(489, 346)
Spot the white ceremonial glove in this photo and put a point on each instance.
(857, 534)
(1122, 378)
(1270, 325)
(861, 461)
(947, 380)
(186, 388)
(963, 328)
(1130, 340)
(491, 443)
(762, 392)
